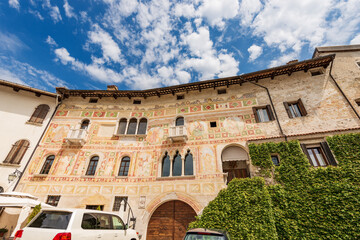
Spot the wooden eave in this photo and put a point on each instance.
(198, 86)
(17, 87)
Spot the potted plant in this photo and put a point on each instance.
(3, 231)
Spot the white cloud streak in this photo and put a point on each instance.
(14, 4)
(69, 10)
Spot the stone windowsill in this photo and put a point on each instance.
(87, 176)
(40, 175)
(34, 123)
(121, 177)
(130, 135)
(10, 165)
(187, 177)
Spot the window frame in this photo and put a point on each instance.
(213, 123)
(268, 110)
(278, 159)
(180, 96)
(222, 91)
(123, 171)
(54, 201)
(300, 106)
(116, 206)
(93, 169)
(325, 151)
(357, 101)
(47, 162)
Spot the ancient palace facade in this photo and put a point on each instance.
(169, 151)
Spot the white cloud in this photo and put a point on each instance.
(23, 73)
(283, 59)
(216, 11)
(14, 4)
(255, 51)
(69, 10)
(51, 41)
(53, 11)
(248, 9)
(36, 14)
(10, 42)
(64, 56)
(109, 47)
(185, 10)
(200, 43)
(355, 40)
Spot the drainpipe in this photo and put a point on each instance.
(337, 85)
(272, 105)
(42, 135)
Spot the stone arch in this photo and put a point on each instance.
(235, 162)
(170, 220)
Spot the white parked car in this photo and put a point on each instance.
(76, 224)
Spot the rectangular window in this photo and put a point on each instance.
(295, 109)
(180, 97)
(117, 203)
(275, 160)
(319, 155)
(53, 200)
(221, 91)
(92, 167)
(263, 114)
(95, 207)
(52, 220)
(93, 100)
(316, 72)
(213, 124)
(137, 102)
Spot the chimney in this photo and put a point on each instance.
(293, 61)
(112, 88)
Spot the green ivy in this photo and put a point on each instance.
(305, 202)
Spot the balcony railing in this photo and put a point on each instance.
(178, 133)
(76, 136)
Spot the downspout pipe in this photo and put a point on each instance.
(38, 143)
(272, 105)
(346, 98)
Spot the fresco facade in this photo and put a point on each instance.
(144, 186)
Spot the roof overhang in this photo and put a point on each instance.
(17, 87)
(334, 49)
(198, 86)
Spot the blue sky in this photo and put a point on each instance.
(88, 44)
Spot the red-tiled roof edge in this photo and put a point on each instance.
(323, 61)
(306, 134)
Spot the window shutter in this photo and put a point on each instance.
(328, 153)
(35, 114)
(22, 149)
(9, 157)
(255, 114)
(270, 112)
(286, 105)
(302, 108)
(303, 147)
(44, 109)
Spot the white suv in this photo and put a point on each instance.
(67, 224)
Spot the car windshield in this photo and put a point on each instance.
(52, 219)
(199, 236)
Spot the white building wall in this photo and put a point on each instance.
(16, 109)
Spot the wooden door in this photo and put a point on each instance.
(170, 221)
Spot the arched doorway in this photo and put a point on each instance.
(170, 221)
(235, 162)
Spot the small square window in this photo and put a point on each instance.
(221, 91)
(137, 102)
(213, 124)
(295, 109)
(316, 72)
(357, 101)
(93, 100)
(180, 97)
(53, 200)
(319, 155)
(275, 160)
(263, 114)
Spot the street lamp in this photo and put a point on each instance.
(14, 175)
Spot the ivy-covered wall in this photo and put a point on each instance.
(306, 202)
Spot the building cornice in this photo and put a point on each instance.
(17, 87)
(288, 69)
